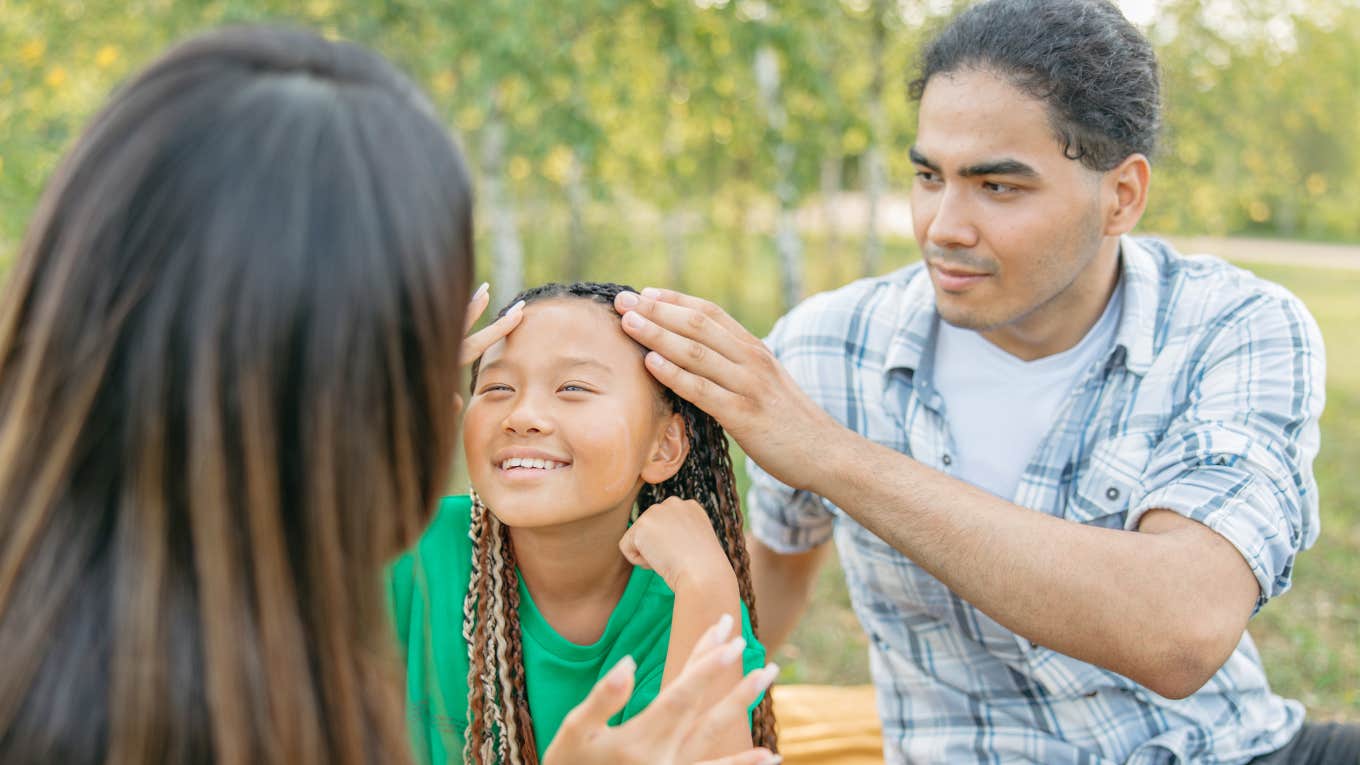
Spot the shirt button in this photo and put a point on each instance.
(1112, 493)
(947, 460)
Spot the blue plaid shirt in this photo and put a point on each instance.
(1207, 405)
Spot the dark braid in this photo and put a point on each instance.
(499, 725)
(707, 478)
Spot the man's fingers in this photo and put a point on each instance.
(701, 391)
(477, 343)
(701, 328)
(480, 300)
(705, 307)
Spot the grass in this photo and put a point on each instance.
(1310, 637)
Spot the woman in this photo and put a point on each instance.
(229, 363)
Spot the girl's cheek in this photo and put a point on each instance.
(615, 453)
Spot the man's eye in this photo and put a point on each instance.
(927, 176)
(998, 188)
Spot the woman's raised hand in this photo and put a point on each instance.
(475, 344)
(678, 724)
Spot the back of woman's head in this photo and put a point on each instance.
(228, 363)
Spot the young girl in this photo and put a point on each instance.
(604, 524)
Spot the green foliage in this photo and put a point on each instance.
(653, 102)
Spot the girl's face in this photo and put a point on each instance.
(565, 422)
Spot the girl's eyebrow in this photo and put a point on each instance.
(571, 362)
(564, 362)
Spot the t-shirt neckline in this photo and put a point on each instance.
(537, 628)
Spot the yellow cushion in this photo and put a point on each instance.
(828, 725)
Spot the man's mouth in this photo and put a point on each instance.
(956, 280)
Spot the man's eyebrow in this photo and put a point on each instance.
(920, 159)
(1000, 167)
(992, 167)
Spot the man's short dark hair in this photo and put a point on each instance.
(1093, 70)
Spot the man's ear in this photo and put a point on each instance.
(1125, 194)
(668, 452)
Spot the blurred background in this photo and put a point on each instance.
(754, 152)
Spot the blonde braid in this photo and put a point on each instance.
(500, 729)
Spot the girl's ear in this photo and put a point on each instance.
(669, 451)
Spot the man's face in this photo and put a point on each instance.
(1008, 225)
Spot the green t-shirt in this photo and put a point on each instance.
(426, 587)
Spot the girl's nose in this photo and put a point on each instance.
(527, 416)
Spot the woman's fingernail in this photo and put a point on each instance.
(516, 308)
(724, 627)
(732, 651)
(773, 759)
(633, 320)
(657, 360)
(768, 674)
(618, 676)
(481, 291)
(651, 292)
(626, 300)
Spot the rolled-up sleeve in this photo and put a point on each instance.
(784, 519)
(1239, 457)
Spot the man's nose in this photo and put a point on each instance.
(952, 225)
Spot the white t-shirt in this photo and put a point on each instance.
(1000, 408)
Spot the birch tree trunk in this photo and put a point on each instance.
(876, 171)
(787, 244)
(578, 247)
(831, 186)
(507, 252)
(673, 236)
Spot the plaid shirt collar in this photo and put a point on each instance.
(913, 343)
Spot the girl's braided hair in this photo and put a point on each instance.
(499, 726)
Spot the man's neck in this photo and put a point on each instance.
(575, 572)
(1062, 322)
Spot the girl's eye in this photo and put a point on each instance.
(495, 388)
(574, 388)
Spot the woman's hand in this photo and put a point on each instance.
(475, 344)
(675, 539)
(676, 728)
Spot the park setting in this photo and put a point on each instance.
(755, 153)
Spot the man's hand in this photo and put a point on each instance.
(677, 726)
(709, 359)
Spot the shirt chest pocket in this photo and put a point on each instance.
(1107, 478)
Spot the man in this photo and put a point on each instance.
(1063, 467)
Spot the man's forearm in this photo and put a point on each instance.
(1159, 608)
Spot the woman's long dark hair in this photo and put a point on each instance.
(500, 728)
(228, 366)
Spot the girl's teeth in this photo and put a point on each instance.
(522, 462)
